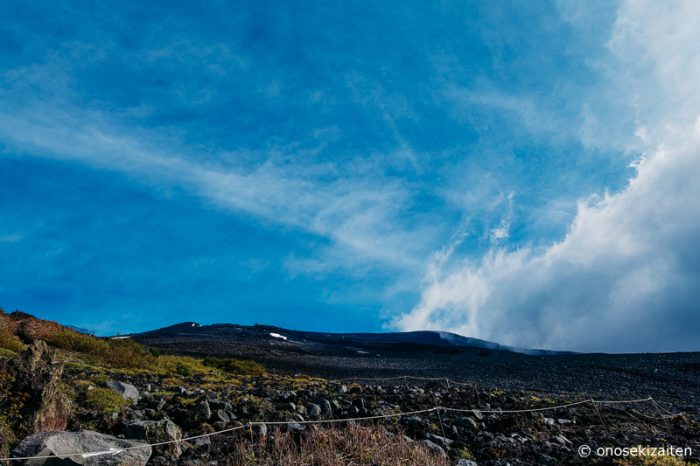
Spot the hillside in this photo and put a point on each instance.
(328, 342)
(100, 394)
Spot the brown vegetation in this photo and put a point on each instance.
(353, 444)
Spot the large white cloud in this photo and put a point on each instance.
(626, 277)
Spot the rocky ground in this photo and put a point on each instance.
(672, 378)
(66, 397)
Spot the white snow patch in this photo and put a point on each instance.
(277, 335)
(120, 338)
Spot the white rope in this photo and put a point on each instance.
(403, 377)
(612, 402)
(513, 411)
(113, 451)
(665, 416)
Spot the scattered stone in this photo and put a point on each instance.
(161, 403)
(203, 442)
(464, 462)
(468, 423)
(437, 449)
(326, 408)
(220, 415)
(156, 432)
(218, 425)
(561, 440)
(216, 405)
(444, 442)
(201, 412)
(260, 429)
(127, 391)
(313, 410)
(294, 427)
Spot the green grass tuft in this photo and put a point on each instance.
(236, 366)
(10, 342)
(104, 401)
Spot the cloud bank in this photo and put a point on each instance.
(626, 275)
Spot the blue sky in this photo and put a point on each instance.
(350, 166)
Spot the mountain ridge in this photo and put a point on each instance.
(421, 339)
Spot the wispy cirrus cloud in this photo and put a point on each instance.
(357, 214)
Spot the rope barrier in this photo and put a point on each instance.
(404, 378)
(115, 451)
(515, 411)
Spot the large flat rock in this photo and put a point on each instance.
(63, 446)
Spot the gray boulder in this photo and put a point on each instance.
(326, 408)
(221, 416)
(433, 447)
(59, 445)
(201, 412)
(260, 429)
(294, 427)
(464, 462)
(313, 410)
(216, 405)
(444, 442)
(156, 432)
(127, 391)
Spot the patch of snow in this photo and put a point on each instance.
(277, 335)
(120, 338)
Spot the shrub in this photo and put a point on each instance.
(10, 342)
(128, 354)
(236, 366)
(183, 370)
(104, 401)
(183, 366)
(81, 343)
(122, 353)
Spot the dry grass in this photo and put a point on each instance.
(323, 446)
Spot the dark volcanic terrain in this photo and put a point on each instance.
(670, 377)
(191, 395)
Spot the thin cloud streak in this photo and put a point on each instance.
(359, 215)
